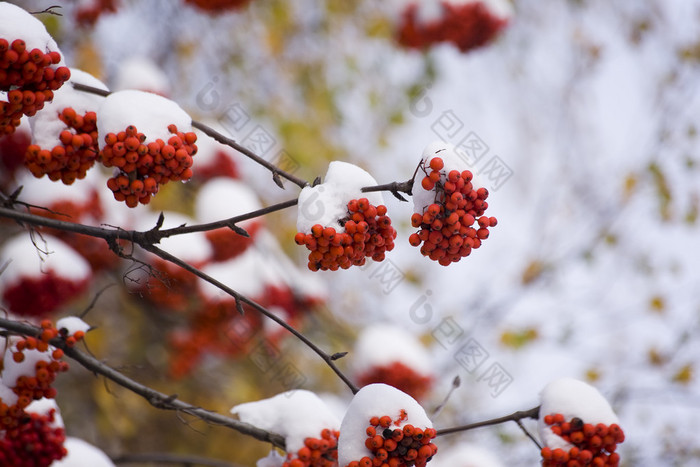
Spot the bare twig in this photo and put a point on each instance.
(155, 398)
(514, 417)
(48, 10)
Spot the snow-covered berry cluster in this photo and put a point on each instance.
(29, 67)
(593, 445)
(37, 441)
(467, 25)
(397, 447)
(74, 156)
(446, 230)
(578, 426)
(367, 233)
(317, 452)
(143, 166)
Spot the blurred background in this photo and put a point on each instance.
(579, 116)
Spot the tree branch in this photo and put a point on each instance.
(155, 398)
(514, 417)
(223, 139)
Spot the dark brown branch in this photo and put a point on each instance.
(155, 398)
(330, 361)
(167, 458)
(396, 188)
(223, 139)
(514, 417)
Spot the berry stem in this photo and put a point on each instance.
(155, 398)
(514, 417)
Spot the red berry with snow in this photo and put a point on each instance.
(447, 229)
(316, 452)
(367, 233)
(74, 156)
(35, 442)
(143, 166)
(592, 444)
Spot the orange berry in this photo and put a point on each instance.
(436, 163)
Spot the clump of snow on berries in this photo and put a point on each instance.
(296, 415)
(44, 406)
(141, 73)
(385, 353)
(376, 400)
(16, 23)
(273, 459)
(82, 453)
(573, 399)
(327, 202)
(150, 113)
(13, 370)
(70, 325)
(46, 124)
(36, 283)
(466, 455)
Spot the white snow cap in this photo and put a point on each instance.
(465, 455)
(572, 398)
(370, 401)
(46, 126)
(72, 324)
(82, 454)
(43, 406)
(27, 261)
(143, 74)
(222, 197)
(150, 113)
(296, 415)
(7, 395)
(44, 192)
(273, 459)
(452, 160)
(382, 344)
(16, 23)
(12, 370)
(326, 203)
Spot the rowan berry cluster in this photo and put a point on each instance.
(316, 452)
(367, 233)
(594, 445)
(40, 295)
(445, 226)
(74, 156)
(215, 6)
(143, 166)
(405, 446)
(467, 25)
(30, 388)
(35, 442)
(28, 79)
(400, 376)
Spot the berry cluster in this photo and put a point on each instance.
(405, 446)
(400, 376)
(316, 452)
(445, 227)
(594, 445)
(35, 442)
(367, 233)
(143, 166)
(30, 388)
(28, 79)
(467, 25)
(216, 6)
(41, 295)
(76, 154)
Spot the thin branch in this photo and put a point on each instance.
(168, 458)
(329, 359)
(48, 10)
(396, 188)
(514, 417)
(223, 139)
(155, 398)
